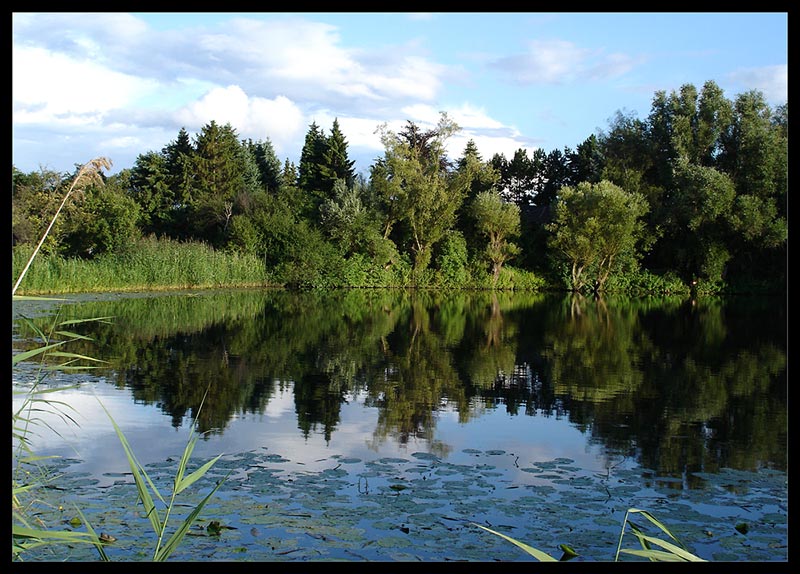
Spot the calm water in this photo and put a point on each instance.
(574, 407)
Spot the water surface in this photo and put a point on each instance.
(419, 413)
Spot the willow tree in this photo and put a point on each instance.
(498, 221)
(596, 230)
(427, 194)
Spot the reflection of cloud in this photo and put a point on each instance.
(772, 81)
(280, 404)
(559, 61)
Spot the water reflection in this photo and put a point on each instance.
(680, 386)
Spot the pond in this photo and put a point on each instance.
(383, 425)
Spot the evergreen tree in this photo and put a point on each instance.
(311, 179)
(149, 187)
(178, 155)
(586, 163)
(336, 164)
(219, 177)
(269, 166)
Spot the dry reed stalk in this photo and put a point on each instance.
(88, 173)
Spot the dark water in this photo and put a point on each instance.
(512, 405)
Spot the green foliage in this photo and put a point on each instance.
(498, 222)
(673, 549)
(86, 175)
(105, 222)
(427, 197)
(644, 282)
(336, 164)
(452, 260)
(149, 493)
(149, 263)
(28, 475)
(595, 230)
(702, 163)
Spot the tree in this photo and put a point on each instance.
(556, 174)
(702, 199)
(482, 176)
(35, 196)
(517, 178)
(336, 164)
(219, 177)
(150, 189)
(269, 166)
(595, 230)
(344, 217)
(498, 221)
(586, 163)
(106, 221)
(416, 175)
(311, 179)
(178, 156)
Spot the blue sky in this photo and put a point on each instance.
(118, 85)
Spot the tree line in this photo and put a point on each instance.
(694, 193)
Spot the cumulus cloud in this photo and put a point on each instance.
(278, 119)
(54, 88)
(560, 62)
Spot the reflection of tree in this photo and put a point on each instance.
(419, 375)
(592, 351)
(491, 361)
(701, 397)
(679, 386)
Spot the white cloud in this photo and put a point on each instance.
(772, 81)
(121, 142)
(471, 117)
(52, 88)
(278, 119)
(422, 114)
(560, 62)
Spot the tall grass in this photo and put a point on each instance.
(672, 550)
(148, 264)
(88, 173)
(29, 475)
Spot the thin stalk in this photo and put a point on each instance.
(88, 170)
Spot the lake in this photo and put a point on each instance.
(383, 425)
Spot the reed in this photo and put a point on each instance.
(147, 265)
(672, 550)
(26, 532)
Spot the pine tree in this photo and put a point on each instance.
(336, 163)
(310, 180)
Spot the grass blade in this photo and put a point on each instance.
(138, 471)
(538, 554)
(178, 535)
(189, 480)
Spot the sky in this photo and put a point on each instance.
(117, 85)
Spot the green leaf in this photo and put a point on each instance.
(75, 356)
(187, 481)
(97, 543)
(139, 479)
(25, 355)
(538, 554)
(178, 535)
(656, 555)
(90, 320)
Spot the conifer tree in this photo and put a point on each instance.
(336, 164)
